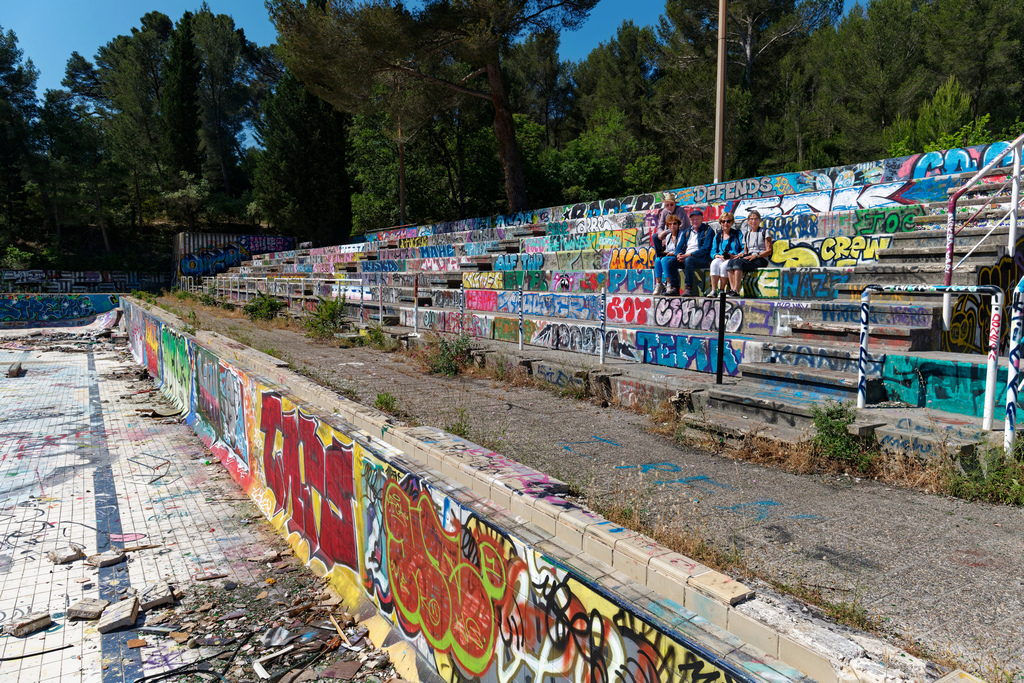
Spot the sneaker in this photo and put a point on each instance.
(711, 294)
(734, 293)
(671, 292)
(659, 289)
(686, 292)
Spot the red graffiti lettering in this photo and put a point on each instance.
(327, 486)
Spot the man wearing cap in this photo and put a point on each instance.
(694, 252)
(669, 206)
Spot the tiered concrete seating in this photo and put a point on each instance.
(794, 332)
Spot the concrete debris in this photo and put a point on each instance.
(66, 554)
(30, 623)
(14, 370)
(155, 594)
(87, 608)
(119, 615)
(343, 670)
(107, 559)
(237, 614)
(136, 642)
(272, 556)
(178, 637)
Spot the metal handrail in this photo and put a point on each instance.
(1013, 370)
(1015, 148)
(993, 337)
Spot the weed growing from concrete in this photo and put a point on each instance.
(191, 323)
(386, 402)
(448, 356)
(147, 298)
(832, 438)
(458, 424)
(986, 476)
(851, 613)
(377, 338)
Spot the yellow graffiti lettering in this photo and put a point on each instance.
(793, 257)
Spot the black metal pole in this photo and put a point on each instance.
(721, 335)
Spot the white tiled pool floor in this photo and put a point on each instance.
(78, 465)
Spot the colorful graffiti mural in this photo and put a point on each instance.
(476, 602)
(63, 310)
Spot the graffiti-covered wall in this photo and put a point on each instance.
(201, 254)
(475, 600)
(854, 188)
(80, 280)
(43, 310)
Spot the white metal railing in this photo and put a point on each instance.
(993, 336)
(1013, 376)
(1014, 148)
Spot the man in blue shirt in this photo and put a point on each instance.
(692, 253)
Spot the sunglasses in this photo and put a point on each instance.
(727, 222)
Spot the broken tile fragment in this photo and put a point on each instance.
(108, 558)
(66, 554)
(155, 594)
(88, 608)
(119, 615)
(136, 642)
(30, 623)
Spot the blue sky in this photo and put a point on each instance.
(50, 30)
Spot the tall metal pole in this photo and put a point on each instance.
(720, 95)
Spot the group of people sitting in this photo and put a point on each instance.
(685, 241)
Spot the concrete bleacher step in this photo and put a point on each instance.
(907, 274)
(981, 188)
(903, 337)
(800, 354)
(841, 386)
(882, 313)
(961, 216)
(775, 407)
(988, 252)
(741, 426)
(965, 239)
(926, 443)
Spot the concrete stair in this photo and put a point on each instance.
(904, 337)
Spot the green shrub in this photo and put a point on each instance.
(376, 338)
(263, 307)
(145, 297)
(450, 356)
(326, 320)
(207, 299)
(1001, 481)
(831, 437)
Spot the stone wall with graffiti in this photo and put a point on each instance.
(67, 281)
(43, 310)
(478, 597)
(854, 188)
(972, 314)
(203, 254)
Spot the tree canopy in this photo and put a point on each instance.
(367, 115)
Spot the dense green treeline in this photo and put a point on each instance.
(367, 116)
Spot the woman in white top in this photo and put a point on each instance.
(757, 247)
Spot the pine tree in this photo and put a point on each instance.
(179, 101)
(301, 183)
